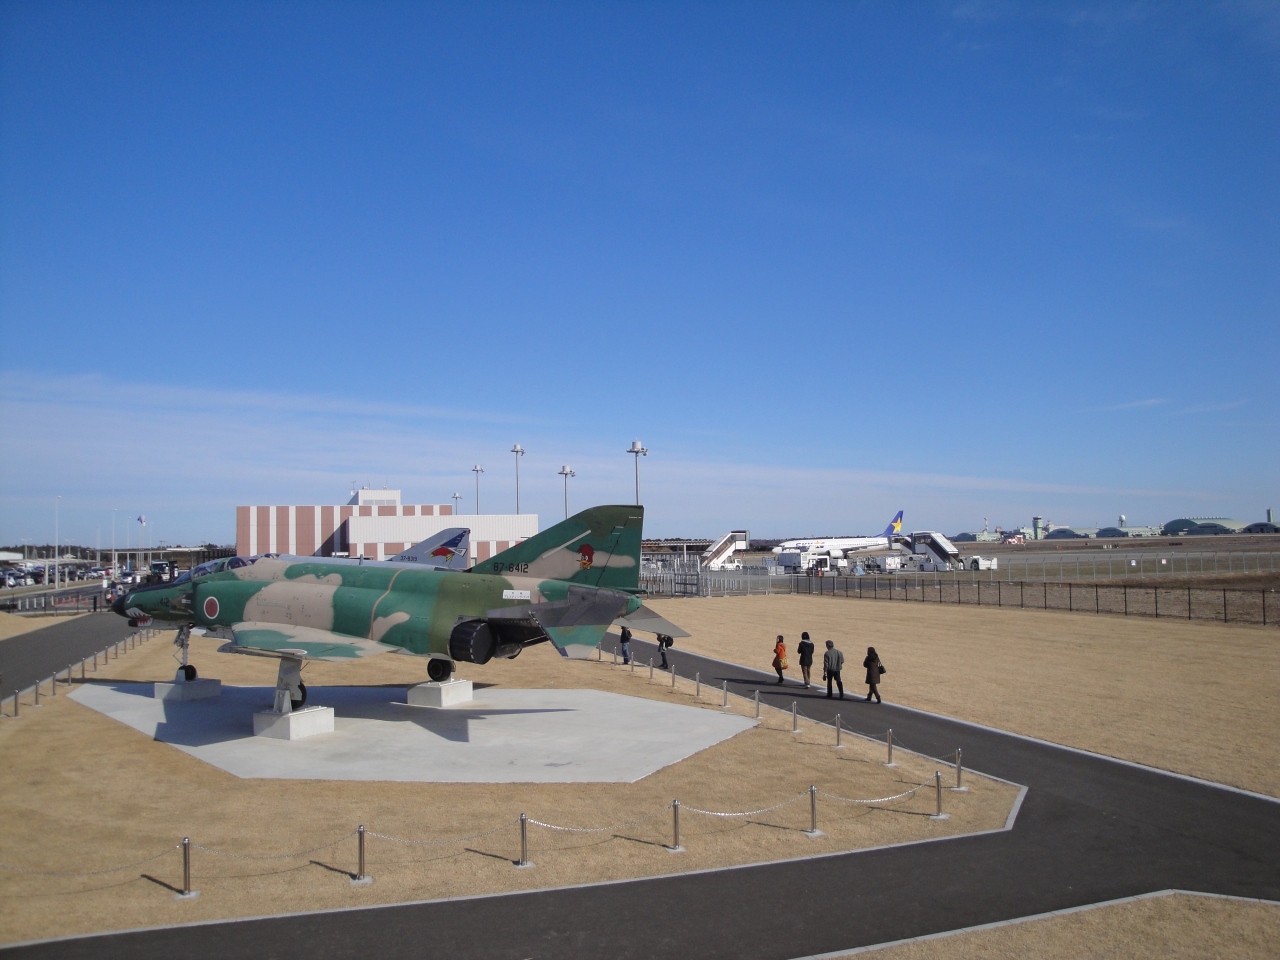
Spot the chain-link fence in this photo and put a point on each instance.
(1184, 603)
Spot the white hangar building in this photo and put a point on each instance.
(372, 524)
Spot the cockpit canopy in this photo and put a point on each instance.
(216, 566)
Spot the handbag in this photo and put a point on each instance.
(882, 669)
(782, 662)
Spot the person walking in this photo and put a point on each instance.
(780, 657)
(805, 649)
(874, 669)
(663, 642)
(832, 664)
(626, 644)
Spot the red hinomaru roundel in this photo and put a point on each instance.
(211, 608)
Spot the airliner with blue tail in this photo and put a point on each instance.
(838, 547)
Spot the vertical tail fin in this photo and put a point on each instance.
(599, 547)
(895, 526)
(449, 549)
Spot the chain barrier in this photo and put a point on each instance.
(437, 843)
(619, 826)
(274, 856)
(89, 873)
(748, 813)
(897, 796)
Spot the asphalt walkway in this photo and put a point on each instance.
(30, 657)
(1090, 829)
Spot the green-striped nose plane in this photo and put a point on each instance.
(567, 584)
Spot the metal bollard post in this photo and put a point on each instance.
(53, 685)
(651, 669)
(937, 786)
(757, 704)
(524, 843)
(37, 701)
(673, 676)
(838, 743)
(726, 694)
(795, 719)
(813, 830)
(633, 664)
(697, 680)
(889, 738)
(187, 893)
(675, 827)
(960, 787)
(615, 658)
(15, 704)
(361, 878)
(81, 669)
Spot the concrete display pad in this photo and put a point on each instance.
(187, 690)
(446, 694)
(295, 725)
(502, 736)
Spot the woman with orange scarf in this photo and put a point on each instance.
(779, 657)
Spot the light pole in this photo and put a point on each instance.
(115, 573)
(456, 497)
(566, 473)
(477, 470)
(55, 540)
(639, 452)
(519, 452)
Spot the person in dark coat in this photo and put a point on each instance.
(832, 664)
(874, 669)
(805, 649)
(626, 645)
(663, 643)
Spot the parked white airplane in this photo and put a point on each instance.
(837, 547)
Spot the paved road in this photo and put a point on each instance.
(33, 656)
(1089, 830)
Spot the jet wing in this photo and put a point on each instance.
(302, 643)
(648, 621)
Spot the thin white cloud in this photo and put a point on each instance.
(1215, 407)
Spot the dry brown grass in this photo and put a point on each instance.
(12, 625)
(82, 791)
(1155, 928)
(1197, 698)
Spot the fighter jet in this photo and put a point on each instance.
(567, 584)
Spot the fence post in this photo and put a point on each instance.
(889, 740)
(937, 785)
(673, 676)
(813, 830)
(757, 704)
(795, 719)
(960, 787)
(524, 843)
(361, 878)
(726, 694)
(697, 680)
(37, 699)
(1224, 606)
(187, 893)
(838, 743)
(675, 827)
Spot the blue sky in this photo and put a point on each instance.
(826, 260)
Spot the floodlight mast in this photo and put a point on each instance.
(566, 473)
(456, 497)
(639, 452)
(519, 452)
(477, 470)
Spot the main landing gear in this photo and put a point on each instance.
(290, 689)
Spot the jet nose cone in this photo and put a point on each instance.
(118, 606)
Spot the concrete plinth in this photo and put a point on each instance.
(444, 694)
(200, 689)
(306, 722)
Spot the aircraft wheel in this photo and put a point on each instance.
(189, 672)
(302, 696)
(439, 670)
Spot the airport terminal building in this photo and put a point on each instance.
(372, 524)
